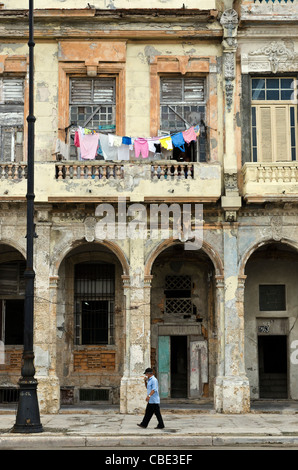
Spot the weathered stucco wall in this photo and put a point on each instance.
(111, 4)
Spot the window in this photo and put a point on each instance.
(274, 120)
(11, 119)
(92, 106)
(182, 105)
(94, 303)
(12, 292)
(178, 295)
(272, 297)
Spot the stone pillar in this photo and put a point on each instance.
(231, 201)
(138, 343)
(45, 320)
(233, 387)
(220, 326)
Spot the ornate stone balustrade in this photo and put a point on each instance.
(13, 171)
(83, 170)
(172, 171)
(268, 181)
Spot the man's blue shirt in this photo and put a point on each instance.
(152, 384)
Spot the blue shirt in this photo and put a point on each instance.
(152, 384)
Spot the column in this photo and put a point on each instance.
(45, 320)
(231, 201)
(235, 385)
(138, 341)
(220, 326)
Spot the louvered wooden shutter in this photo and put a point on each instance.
(93, 91)
(81, 91)
(104, 91)
(282, 148)
(182, 90)
(273, 133)
(13, 90)
(264, 133)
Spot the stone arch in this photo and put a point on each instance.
(206, 247)
(14, 246)
(259, 244)
(113, 247)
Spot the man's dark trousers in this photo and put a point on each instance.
(151, 409)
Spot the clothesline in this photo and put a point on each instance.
(110, 146)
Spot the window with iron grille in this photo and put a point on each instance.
(92, 106)
(273, 119)
(11, 119)
(178, 295)
(182, 105)
(94, 303)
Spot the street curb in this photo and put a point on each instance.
(117, 442)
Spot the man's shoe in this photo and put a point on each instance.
(141, 426)
(159, 427)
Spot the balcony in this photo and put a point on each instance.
(270, 182)
(273, 10)
(78, 181)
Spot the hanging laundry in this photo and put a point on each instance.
(117, 141)
(166, 142)
(77, 139)
(87, 131)
(189, 135)
(152, 144)
(123, 152)
(141, 146)
(197, 129)
(126, 140)
(178, 141)
(88, 146)
(109, 152)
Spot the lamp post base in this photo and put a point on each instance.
(28, 420)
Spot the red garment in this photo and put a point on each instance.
(77, 139)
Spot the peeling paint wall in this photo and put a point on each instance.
(112, 4)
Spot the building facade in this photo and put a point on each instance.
(187, 111)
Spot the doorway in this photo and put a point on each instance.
(273, 366)
(179, 369)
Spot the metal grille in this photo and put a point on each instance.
(179, 306)
(94, 394)
(272, 297)
(178, 282)
(9, 395)
(94, 303)
(178, 295)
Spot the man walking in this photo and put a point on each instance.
(153, 401)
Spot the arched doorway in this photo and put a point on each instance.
(183, 324)
(90, 322)
(270, 303)
(12, 296)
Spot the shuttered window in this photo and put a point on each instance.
(274, 120)
(182, 105)
(92, 106)
(11, 119)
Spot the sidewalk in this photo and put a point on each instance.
(107, 428)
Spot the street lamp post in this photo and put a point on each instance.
(28, 419)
